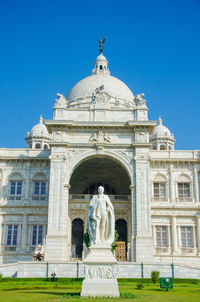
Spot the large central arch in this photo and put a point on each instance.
(87, 175)
(100, 170)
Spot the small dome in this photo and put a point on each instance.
(39, 129)
(101, 58)
(161, 131)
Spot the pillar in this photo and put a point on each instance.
(174, 235)
(56, 239)
(24, 232)
(198, 234)
(196, 186)
(133, 223)
(171, 184)
(144, 239)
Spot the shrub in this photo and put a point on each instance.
(1, 277)
(140, 285)
(86, 239)
(53, 277)
(155, 276)
(114, 244)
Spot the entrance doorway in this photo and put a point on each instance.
(77, 238)
(121, 227)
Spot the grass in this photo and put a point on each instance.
(42, 290)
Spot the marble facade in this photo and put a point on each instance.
(100, 125)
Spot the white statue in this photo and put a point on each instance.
(101, 219)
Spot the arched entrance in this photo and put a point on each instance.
(100, 170)
(77, 238)
(87, 177)
(121, 227)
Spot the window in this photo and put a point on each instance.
(162, 147)
(161, 236)
(37, 234)
(46, 146)
(39, 192)
(159, 189)
(12, 232)
(15, 190)
(37, 146)
(186, 236)
(183, 190)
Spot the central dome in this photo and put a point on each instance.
(113, 86)
(114, 90)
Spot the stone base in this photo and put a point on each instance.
(144, 249)
(56, 248)
(100, 288)
(100, 254)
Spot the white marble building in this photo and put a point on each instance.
(100, 134)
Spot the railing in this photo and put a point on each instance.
(184, 199)
(14, 197)
(159, 199)
(39, 197)
(88, 197)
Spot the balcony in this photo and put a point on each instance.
(184, 199)
(159, 199)
(88, 197)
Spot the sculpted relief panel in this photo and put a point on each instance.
(100, 137)
(141, 137)
(100, 272)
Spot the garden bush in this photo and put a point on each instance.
(155, 276)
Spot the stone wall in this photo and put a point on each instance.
(76, 269)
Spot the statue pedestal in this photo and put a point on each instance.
(100, 253)
(100, 268)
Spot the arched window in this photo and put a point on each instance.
(100, 67)
(121, 227)
(162, 147)
(77, 238)
(37, 146)
(15, 186)
(39, 186)
(46, 146)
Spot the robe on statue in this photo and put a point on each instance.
(101, 220)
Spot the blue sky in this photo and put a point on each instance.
(48, 46)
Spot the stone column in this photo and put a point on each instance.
(133, 223)
(24, 232)
(196, 186)
(27, 181)
(198, 234)
(171, 184)
(57, 239)
(144, 239)
(174, 235)
(1, 233)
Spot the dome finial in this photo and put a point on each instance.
(41, 119)
(101, 44)
(159, 121)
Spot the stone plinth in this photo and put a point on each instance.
(100, 268)
(100, 253)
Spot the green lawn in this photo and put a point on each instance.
(16, 290)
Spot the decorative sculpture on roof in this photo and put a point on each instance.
(139, 99)
(61, 101)
(101, 42)
(99, 95)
